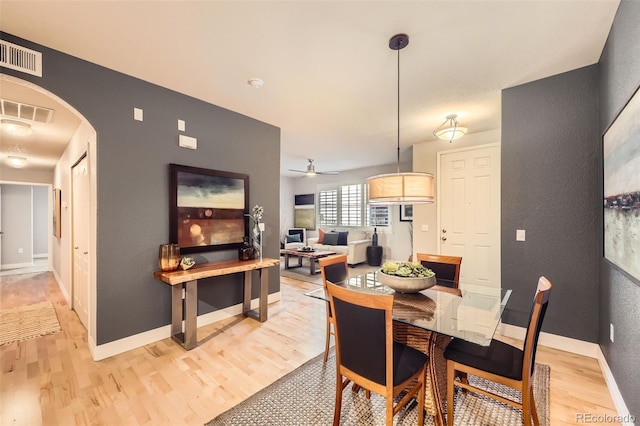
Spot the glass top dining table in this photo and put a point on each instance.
(471, 312)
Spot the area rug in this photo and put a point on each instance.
(306, 397)
(27, 322)
(303, 274)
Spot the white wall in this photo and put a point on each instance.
(40, 221)
(425, 156)
(16, 226)
(286, 205)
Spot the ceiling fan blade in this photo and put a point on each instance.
(327, 173)
(299, 171)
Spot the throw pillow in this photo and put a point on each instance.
(330, 239)
(321, 236)
(295, 238)
(342, 238)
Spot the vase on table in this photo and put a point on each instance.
(257, 246)
(169, 257)
(245, 252)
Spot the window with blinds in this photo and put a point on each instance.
(346, 206)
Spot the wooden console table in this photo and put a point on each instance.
(188, 280)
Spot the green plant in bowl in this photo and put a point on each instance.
(406, 277)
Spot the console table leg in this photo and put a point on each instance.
(191, 315)
(246, 293)
(176, 314)
(264, 294)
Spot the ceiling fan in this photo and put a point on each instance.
(311, 170)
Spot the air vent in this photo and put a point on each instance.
(20, 58)
(15, 109)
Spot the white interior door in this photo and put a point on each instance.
(80, 221)
(469, 212)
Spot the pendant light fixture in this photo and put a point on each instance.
(450, 130)
(406, 187)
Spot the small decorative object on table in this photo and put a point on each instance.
(169, 257)
(187, 262)
(306, 249)
(406, 277)
(256, 214)
(245, 252)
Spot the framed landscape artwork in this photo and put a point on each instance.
(304, 213)
(621, 154)
(208, 208)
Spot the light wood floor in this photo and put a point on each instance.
(52, 380)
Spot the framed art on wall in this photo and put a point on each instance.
(56, 213)
(406, 213)
(208, 208)
(621, 155)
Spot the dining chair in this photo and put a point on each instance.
(446, 267)
(367, 355)
(500, 362)
(333, 269)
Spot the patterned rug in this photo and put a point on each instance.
(306, 397)
(303, 274)
(27, 322)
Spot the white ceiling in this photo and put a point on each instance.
(330, 79)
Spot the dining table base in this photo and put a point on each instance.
(433, 344)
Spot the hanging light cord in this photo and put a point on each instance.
(398, 166)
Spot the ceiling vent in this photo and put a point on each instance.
(22, 111)
(20, 58)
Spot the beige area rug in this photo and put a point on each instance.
(305, 397)
(27, 322)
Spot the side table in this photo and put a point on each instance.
(374, 255)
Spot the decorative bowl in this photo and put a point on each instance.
(406, 284)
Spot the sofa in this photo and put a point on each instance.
(352, 243)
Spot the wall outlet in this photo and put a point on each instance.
(520, 234)
(611, 332)
(20, 250)
(424, 228)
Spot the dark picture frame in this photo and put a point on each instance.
(304, 213)
(208, 209)
(621, 189)
(406, 213)
(57, 207)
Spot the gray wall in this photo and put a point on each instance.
(40, 220)
(619, 294)
(133, 183)
(550, 169)
(16, 225)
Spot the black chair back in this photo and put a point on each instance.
(536, 316)
(446, 271)
(362, 339)
(335, 272)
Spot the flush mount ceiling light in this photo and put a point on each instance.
(406, 187)
(16, 162)
(15, 127)
(450, 130)
(255, 82)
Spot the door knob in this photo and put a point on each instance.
(443, 238)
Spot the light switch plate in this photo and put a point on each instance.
(424, 228)
(520, 234)
(138, 114)
(181, 125)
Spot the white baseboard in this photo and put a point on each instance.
(623, 412)
(41, 256)
(15, 265)
(64, 291)
(580, 347)
(116, 347)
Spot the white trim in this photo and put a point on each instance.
(626, 417)
(100, 352)
(63, 290)
(15, 265)
(41, 256)
(579, 347)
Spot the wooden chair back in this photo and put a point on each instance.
(333, 269)
(445, 267)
